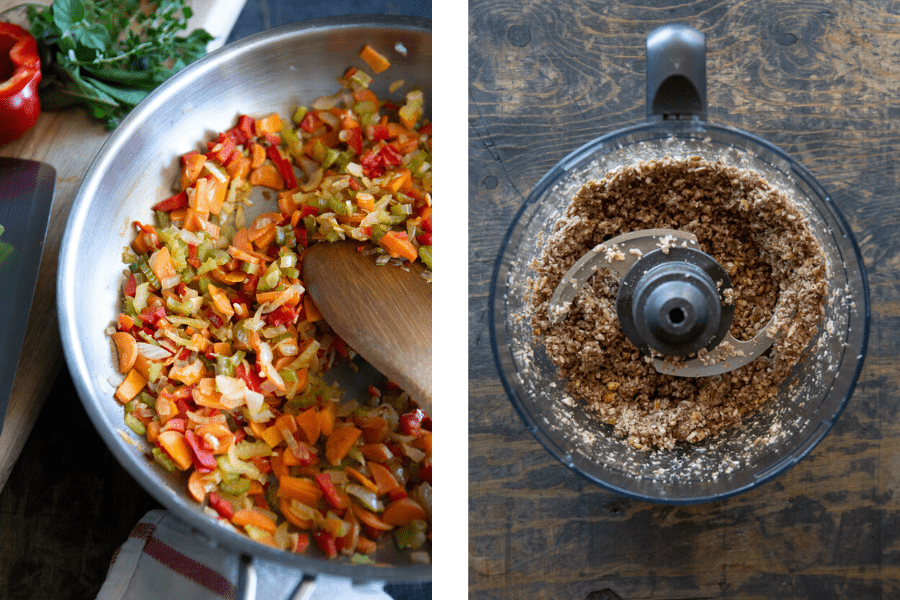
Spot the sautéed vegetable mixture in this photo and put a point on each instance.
(225, 355)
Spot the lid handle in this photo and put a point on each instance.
(676, 73)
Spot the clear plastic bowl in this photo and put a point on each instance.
(737, 459)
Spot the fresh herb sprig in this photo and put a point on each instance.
(5, 249)
(108, 55)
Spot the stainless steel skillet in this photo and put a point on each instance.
(270, 72)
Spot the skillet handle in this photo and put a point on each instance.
(248, 581)
(676, 73)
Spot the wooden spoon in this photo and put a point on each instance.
(382, 312)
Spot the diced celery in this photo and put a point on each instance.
(299, 114)
(163, 459)
(237, 487)
(162, 219)
(134, 424)
(425, 256)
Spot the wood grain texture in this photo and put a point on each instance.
(382, 312)
(820, 80)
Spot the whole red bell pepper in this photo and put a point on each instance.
(20, 73)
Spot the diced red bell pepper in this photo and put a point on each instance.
(372, 164)
(425, 471)
(354, 140)
(425, 129)
(301, 236)
(131, 286)
(302, 543)
(246, 127)
(398, 493)
(426, 224)
(273, 138)
(355, 185)
(250, 284)
(311, 122)
(340, 346)
(179, 200)
(325, 542)
(283, 166)
(411, 422)
(152, 316)
(328, 490)
(281, 316)
(306, 211)
(204, 461)
(220, 505)
(250, 377)
(390, 156)
(424, 239)
(378, 132)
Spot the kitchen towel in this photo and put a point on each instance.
(163, 559)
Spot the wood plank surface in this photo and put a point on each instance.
(819, 79)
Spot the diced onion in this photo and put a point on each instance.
(152, 352)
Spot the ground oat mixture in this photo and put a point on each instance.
(750, 227)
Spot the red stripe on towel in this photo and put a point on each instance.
(189, 568)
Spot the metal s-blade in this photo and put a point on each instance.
(26, 195)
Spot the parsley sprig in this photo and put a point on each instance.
(108, 55)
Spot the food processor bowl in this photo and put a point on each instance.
(808, 403)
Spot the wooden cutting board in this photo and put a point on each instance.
(68, 140)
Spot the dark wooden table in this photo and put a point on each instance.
(822, 81)
(67, 504)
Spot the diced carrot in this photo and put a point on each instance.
(141, 243)
(220, 300)
(302, 490)
(327, 417)
(339, 443)
(239, 169)
(257, 155)
(165, 408)
(361, 479)
(383, 478)
(161, 264)
(312, 311)
(423, 443)
(378, 452)
(153, 428)
(367, 517)
(365, 201)
(268, 124)
(365, 95)
(374, 59)
(268, 176)
(193, 164)
(126, 346)
(255, 518)
(217, 195)
(292, 517)
(310, 424)
(125, 322)
(188, 374)
(401, 179)
(403, 512)
(130, 387)
(197, 486)
(365, 546)
(176, 447)
(278, 468)
(397, 244)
